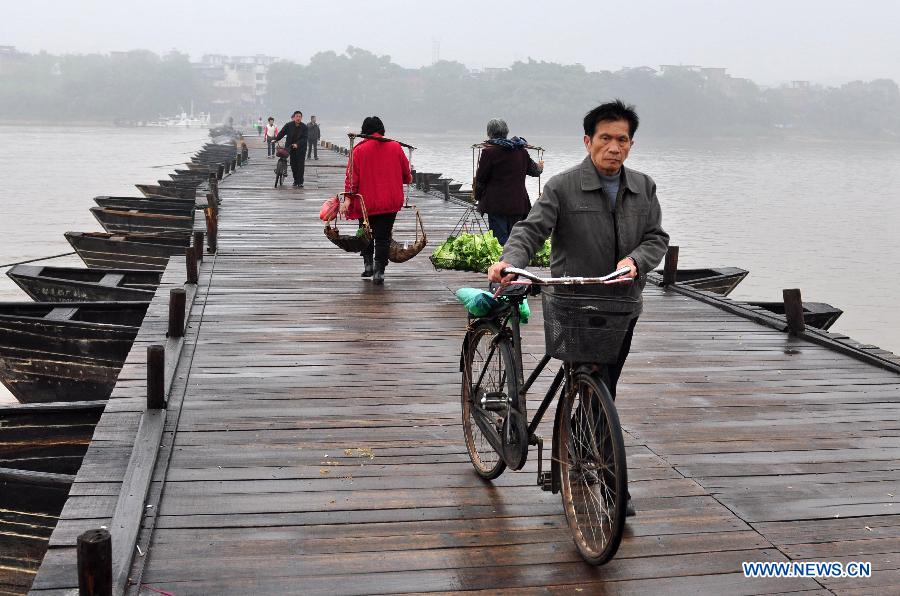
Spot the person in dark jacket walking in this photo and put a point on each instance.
(314, 135)
(295, 135)
(500, 180)
(602, 217)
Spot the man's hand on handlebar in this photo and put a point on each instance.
(628, 277)
(495, 273)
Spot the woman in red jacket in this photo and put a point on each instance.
(380, 169)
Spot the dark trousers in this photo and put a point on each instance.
(611, 372)
(270, 148)
(382, 227)
(298, 163)
(312, 150)
(502, 225)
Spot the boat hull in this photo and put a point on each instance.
(72, 284)
(174, 204)
(149, 190)
(142, 222)
(49, 360)
(130, 251)
(815, 314)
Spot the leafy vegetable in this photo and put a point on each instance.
(542, 258)
(468, 252)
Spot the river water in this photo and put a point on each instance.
(822, 216)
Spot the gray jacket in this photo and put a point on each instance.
(588, 239)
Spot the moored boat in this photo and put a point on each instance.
(30, 504)
(147, 221)
(127, 251)
(815, 314)
(42, 446)
(65, 351)
(719, 280)
(75, 284)
(149, 190)
(149, 203)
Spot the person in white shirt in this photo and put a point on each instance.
(271, 133)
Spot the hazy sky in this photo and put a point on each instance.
(770, 41)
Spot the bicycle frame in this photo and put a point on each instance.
(511, 325)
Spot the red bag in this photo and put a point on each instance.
(329, 210)
(282, 152)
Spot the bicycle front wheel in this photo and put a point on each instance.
(488, 381)
(592, 468)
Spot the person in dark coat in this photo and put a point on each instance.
(500, 180)
(313, 142)
(295, 135)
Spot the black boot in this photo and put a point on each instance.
(369, 266)
(378, 277)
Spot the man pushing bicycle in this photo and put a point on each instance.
(602, 217)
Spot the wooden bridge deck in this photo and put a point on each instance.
(313, 443)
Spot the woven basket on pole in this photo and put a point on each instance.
(352, 243)
(400, 253)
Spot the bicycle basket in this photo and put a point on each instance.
(586, 327)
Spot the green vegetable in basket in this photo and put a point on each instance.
(360, 232)
(468, 252)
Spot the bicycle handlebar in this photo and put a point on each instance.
(564, 281)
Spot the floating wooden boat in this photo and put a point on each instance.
(65, 351)
(147, 221)
(41, 449)
(149, 190)
(74, 284)
(150, 203)
(721, 280)
(127, 251)
(815, 314)
(180, 185)
(30, 504)
(47, 437)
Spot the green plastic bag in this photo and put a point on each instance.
(477, 302)
(524, 312)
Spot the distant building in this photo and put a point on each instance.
(238, 83)
(9, 56)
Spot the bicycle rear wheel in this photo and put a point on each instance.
(488, 381)
(592, 468)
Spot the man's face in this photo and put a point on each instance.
(271, 121)
(609, 146)
(298, 118)
(313, 119)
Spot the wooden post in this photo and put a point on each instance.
(177, 300)
(220, 171)
(198, 245)
(156, 377)
(245, 152)
(233, 163)
(212, 201)
(670, 269)
(190, 262)
(94, 552)
(212, 228)
(213, 183)
(240, 159)
(446, 190)
(426, 182)
(793, 311)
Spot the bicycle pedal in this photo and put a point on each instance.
(545, 481)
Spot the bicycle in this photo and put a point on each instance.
(588, 451)
(281, 167)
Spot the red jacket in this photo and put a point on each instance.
(380, 169)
